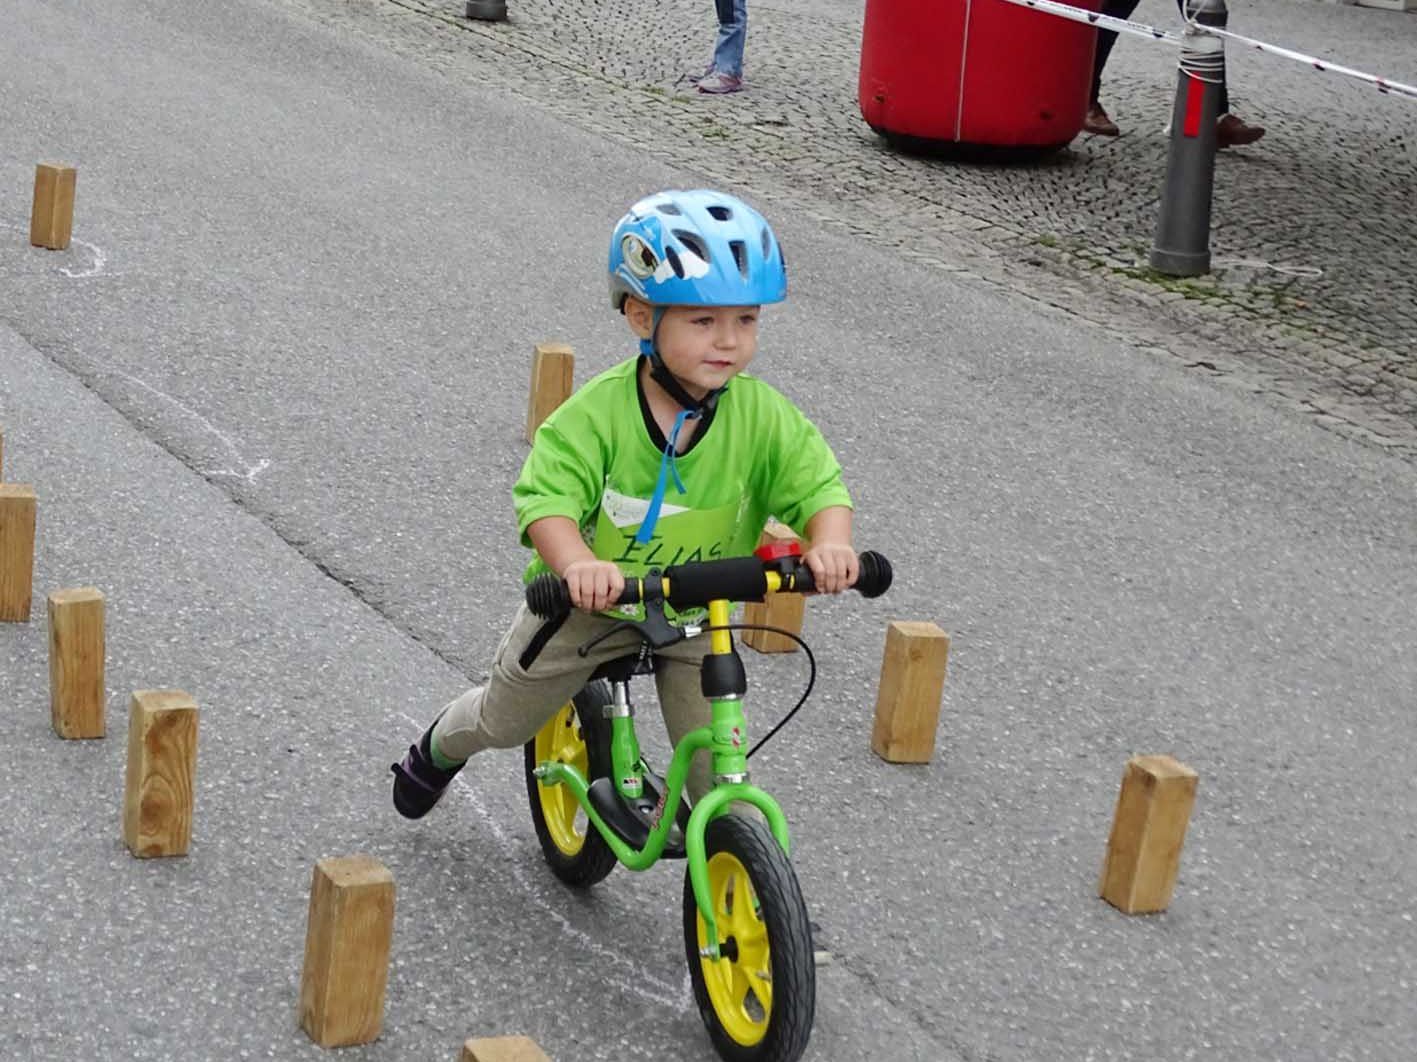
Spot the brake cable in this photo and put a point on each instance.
(811, 673)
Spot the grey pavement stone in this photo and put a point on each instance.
(1312, 226)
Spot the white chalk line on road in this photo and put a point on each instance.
(97, 269)
(1307, 272)
(100, 259)
(619, 968)
(247, 471)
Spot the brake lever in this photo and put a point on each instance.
(656, 629)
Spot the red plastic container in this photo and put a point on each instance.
(975, 72)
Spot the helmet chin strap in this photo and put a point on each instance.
(659, 372)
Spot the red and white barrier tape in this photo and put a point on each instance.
(1092, 18)
(1382, 84)
(1136, 29)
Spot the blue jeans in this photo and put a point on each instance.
(732, 35)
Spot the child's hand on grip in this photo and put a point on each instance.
(594, 584)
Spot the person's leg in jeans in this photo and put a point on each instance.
(727, 73)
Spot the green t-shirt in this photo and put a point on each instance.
(593, 462)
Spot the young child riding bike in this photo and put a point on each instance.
(673, 456)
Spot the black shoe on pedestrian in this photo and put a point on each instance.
(418, 783)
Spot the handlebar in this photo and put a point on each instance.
(695, 584)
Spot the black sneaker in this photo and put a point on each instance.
(418, 784)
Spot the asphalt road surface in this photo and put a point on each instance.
(271, 400)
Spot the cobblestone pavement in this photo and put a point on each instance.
(1313, 300)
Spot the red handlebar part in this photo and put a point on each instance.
(775, 551)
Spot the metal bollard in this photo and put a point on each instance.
(487, 10)
(1182, 244)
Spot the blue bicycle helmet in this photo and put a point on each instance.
(699, 248)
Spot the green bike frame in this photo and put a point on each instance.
(726, 739)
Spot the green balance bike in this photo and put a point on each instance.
(596, 802)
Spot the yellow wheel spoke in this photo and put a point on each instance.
(738, 986)
(569, 806)
(762, 988)
(753, 954)
(744, 919)
(721, 912)
(560, 741)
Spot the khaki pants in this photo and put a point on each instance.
(515, 704)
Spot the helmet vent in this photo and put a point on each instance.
(721, 213)
(669, 208)
(691, 240)
(740, 255)
(672, 256)
(767, 245)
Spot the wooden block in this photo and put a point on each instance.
(347, 942)
(908, 701)
(17, 513)
(780, 610)
(552, 380)
(52, 219)
(1148, 830)
(76, 691)
(162, 767)
(503, 1049)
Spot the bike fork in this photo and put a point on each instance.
(724, 684)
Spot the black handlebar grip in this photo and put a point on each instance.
(547, 596)
(874, 576)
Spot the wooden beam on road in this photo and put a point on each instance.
(347, 943)
(1148, 830)
(76, 650)
(779, 610)
(503, 1049)
(161, 773)
(17, 515)
(908, 699)
(553, 367)
(52, 216)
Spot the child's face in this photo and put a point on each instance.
(706, 346)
